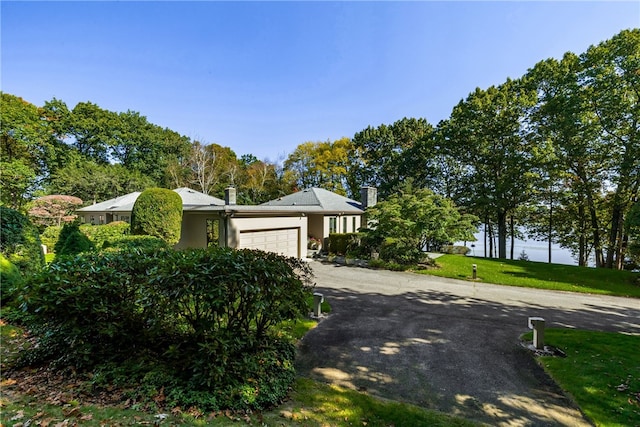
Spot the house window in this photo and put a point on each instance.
(124, 218)
(101, 219)
(93, 220)
(344, 224)
(353, 224)
(333, 225)
(213, 232)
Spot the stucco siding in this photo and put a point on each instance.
(194, 230)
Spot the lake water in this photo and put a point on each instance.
(536, 251)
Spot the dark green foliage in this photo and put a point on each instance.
(50, 236)
(456, 250)
(142, 243)
(400, 251)
(20, 241)
(158, 212)
(100, 235)
(10, 278)
(201, 323)
(344, 243)
(72, 241)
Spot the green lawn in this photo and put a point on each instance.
(601, 372)
(540, 275)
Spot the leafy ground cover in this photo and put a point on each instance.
(46, 398)
(539, 275)
(601, 372)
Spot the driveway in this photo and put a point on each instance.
(447, 344)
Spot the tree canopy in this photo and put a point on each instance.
(553, 154)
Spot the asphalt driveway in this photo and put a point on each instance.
(447, 344)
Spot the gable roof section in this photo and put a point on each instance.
(119, 204)
(125, 203)
(314, 198)
(195, 198)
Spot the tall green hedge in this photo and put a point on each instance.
(104, 235)
(20, 241)
(158, 212)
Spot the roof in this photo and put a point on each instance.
(125, 203)
(309, 201)
(119, 204)
(319, 198)
(195, 198)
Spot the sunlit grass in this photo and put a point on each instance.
(539, 275)
(601, 372)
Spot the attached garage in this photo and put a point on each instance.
(285, 241)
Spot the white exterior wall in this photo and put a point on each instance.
(340, 223)
(194, 230)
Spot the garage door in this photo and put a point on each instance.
(282, 241)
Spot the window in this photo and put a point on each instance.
(124, 218)
(213, 232)
(344, 224)
(353, 224)
(101, 219)
(333, 225)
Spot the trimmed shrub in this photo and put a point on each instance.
(105, 233)
(140, 243)
(343, 243)
(20, 241)
(72, 241)
(456, 250)
(400, 251)
(100, 235)
(10, 279)
(158, 212)
(50, 237)
(202, 323)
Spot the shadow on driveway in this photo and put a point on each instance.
(454, 353)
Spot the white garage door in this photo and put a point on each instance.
(282, 241)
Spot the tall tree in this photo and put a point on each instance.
(378, 155)
(485, 133)
(611, 81)
(23, 150)
(322, 164)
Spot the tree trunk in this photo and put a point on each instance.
(582, 241)
(614, 250)
(595, 229)
(550, 222)
(485, 239)
(513, 239)
(502, 235)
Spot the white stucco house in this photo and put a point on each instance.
(282, 225)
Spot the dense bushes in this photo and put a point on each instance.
(10, 279)
(100, 236)
(197, 323)
(347, 243)
(72, 241)
(20, 241)
(158, 212)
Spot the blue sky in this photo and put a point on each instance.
(263, 77)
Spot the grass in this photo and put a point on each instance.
(601, 372)
(540, 275)
(311, 404)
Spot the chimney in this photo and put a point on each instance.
(230, 196)
(368, 196)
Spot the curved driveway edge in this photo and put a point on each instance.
(447, 344)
